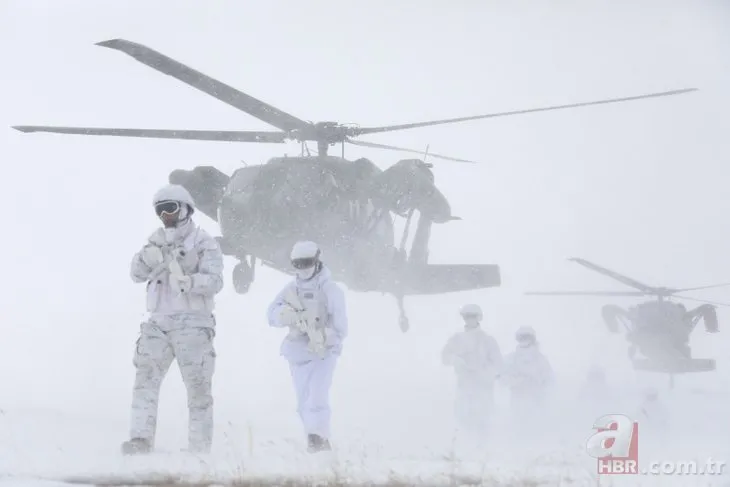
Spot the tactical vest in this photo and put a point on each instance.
(314, 301)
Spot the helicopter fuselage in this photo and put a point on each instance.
(660, 331)
(265, 209)
(347, 207)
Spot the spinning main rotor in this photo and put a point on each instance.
(291, 127)
(641, 288)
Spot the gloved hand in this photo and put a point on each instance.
(180, 283)
(305, 326)
(288, 316)
(152, 256)
(317, 337)
(330, 336)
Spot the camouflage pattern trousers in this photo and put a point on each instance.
(192, 346)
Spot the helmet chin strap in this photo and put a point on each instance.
(184, 213)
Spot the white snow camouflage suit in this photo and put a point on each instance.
(311, 374)
(529, 377)
(476, 358)
(180, 326)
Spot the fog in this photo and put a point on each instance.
(638, 187)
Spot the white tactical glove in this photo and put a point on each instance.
(152, 256)
(330, 336)
(317, 337)
(288, 316)
(178, 280)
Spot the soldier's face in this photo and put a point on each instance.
(305, 274)
(169, 219)
(168, 212)
(471, 322)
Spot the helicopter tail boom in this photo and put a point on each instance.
(449, 278)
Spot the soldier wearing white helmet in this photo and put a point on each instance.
(313, 307)
(527, 374)
(182, 266)
(476, 359)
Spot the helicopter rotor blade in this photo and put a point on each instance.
(210, 135)
(714, 303)
(615, 275)
(390, 128)
(585, 293)
(700, 287)
(392, 147)
(196, 79)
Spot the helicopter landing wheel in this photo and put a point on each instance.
(404, 323)
(242, 277)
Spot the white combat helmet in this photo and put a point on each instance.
(305, 257)
(174, 192)
(304, 250)
(173, 205)
(471, 310)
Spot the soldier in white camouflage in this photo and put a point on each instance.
(182, 266)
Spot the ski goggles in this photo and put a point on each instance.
(168, 207)
(525, 337)
(304, 263)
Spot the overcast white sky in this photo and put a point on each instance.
(639, 187)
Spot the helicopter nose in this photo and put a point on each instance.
(180, 176)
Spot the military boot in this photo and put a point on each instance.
(136, 446)
(316, 443)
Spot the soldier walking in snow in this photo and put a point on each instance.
(312, 306)
(476, 359)
(182, 266)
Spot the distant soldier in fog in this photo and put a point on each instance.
(476, 358)
(595, 389)
(528, 376)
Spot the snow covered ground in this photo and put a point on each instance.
(45, 444)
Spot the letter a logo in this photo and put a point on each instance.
(615, 444)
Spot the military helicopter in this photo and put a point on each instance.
(659, 329)
(347, 207)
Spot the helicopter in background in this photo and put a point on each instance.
(658, 330)
(347, 207)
